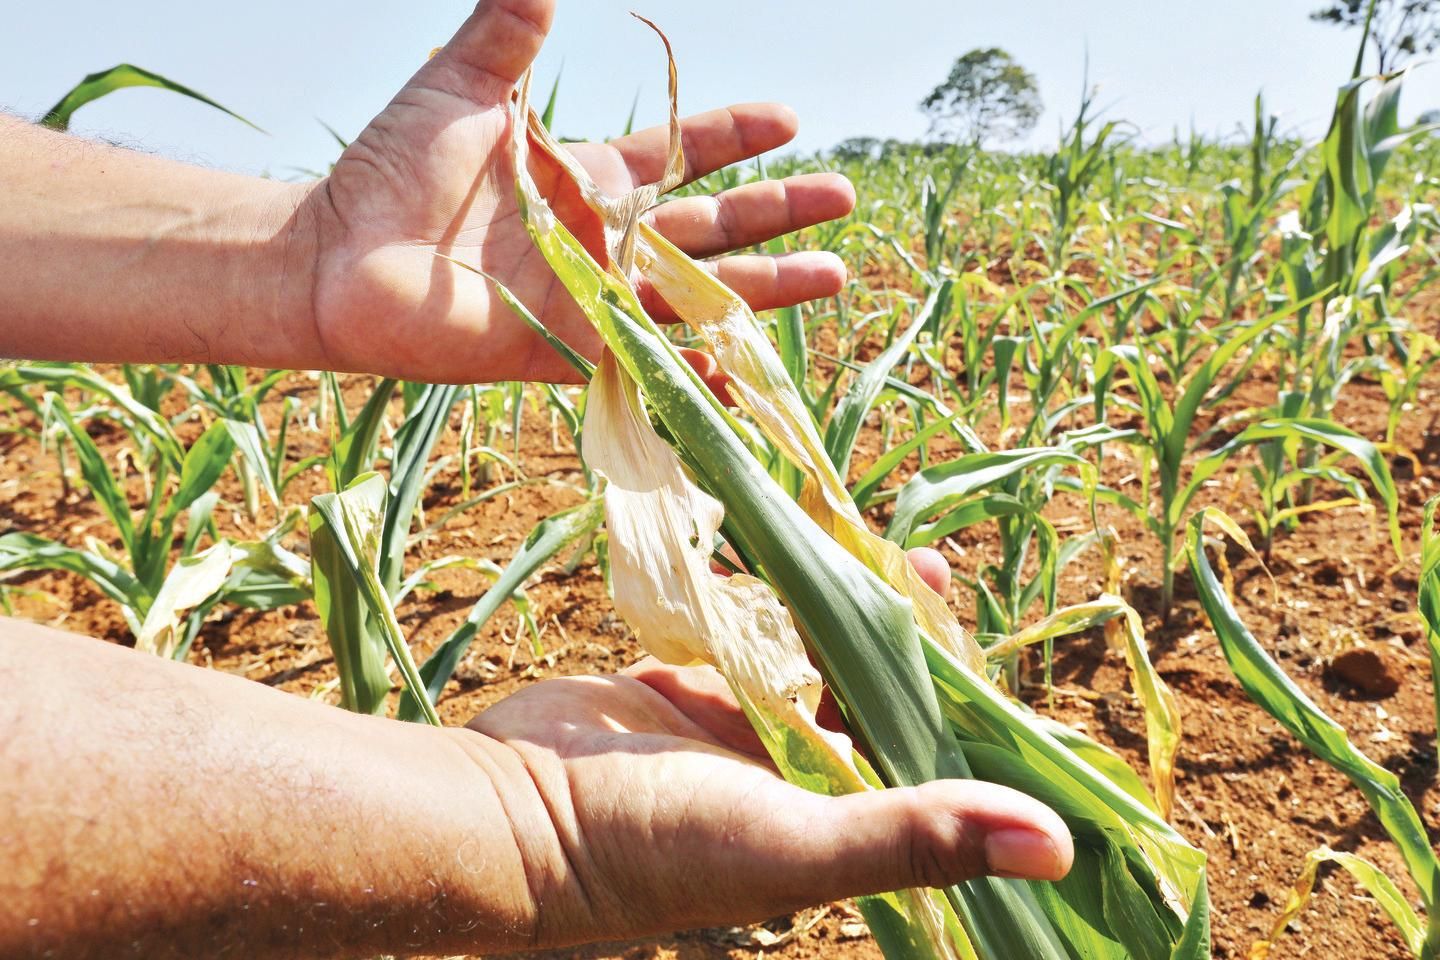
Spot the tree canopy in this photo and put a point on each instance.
(1401, 29)
(988, 95)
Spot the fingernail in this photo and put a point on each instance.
(1022, 853)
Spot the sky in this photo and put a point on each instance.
(849, 67)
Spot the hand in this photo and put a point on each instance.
(432, 174)
(644, 803)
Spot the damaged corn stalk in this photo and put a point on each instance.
(827, 598)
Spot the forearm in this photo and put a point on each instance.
(183, 811)
(111, 255)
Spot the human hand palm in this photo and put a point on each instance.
(649, 806)
(432, 175)
(645, 803)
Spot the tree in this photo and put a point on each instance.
(1399, 30)
(987, 95)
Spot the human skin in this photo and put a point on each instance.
(102, 251)
(186, 812)
(155, 809)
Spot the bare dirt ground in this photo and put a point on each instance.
(1248, 794)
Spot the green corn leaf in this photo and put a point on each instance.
(26, 551)
(1319, 431)
(353, 453)
(931, 491)
(414, 442)
(864, 489)
(548, 116)
(98, 477)
(105, 82)
(252, 448)
(1101, 758)
(204, 462)
(549, 537)
(844, 426)
(346, 527)
(1269, 687)
(1195, 940)
(990, 506)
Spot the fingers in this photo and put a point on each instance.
(712, 140)
(934, 835)
(754, 213)
(766, 282)
(703, 696)
(710, 372)
(932, 567)
(494, 48)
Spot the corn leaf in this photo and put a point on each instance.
(105, 82)
(204, 462)
(1269, 687)
(414, 442)
(549, 537)
(347, 528)
(1371, 460)
(190, 582)
(941, 487)
(864, 489)
(352, 454)
(1162, 711)
(1369, 876)
(26, 551)
(850, 412)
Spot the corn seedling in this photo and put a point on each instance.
(152, 593)
(1271, 689)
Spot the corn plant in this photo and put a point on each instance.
(1246, 210)
(1278, 695)
(260, 459)
(361, 532)
(919, 701)
(1071, 171)
(1166, 437)
(153, 593)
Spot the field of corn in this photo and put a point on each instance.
(1166, 410)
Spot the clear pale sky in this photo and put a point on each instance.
(850, 67)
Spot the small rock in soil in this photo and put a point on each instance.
(1407, 631)
(1371, 670)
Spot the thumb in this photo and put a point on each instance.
(934, 835)
(933, 568)
(493, 48)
